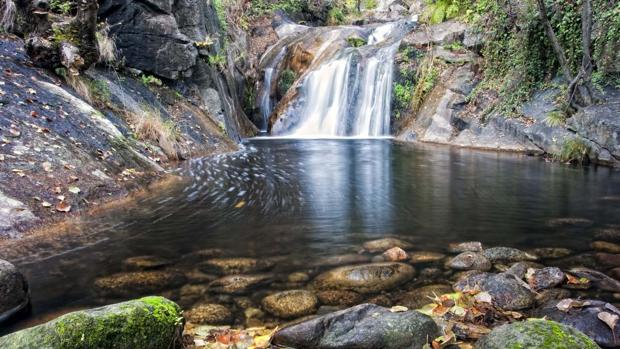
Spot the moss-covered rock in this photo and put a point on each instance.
(146, 323)
(536, 333)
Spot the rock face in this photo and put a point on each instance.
(600, 124)
(365, 326)
(540, 334)
(291, 304)
(507, 291)
(469, 261)
(14, 293)
(149, 323)
(365, 278)
(585, 319)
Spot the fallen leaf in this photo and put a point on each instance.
(74, 190)
(63, 207)
(240, 204)
(47, 167)
(46, 204)
(60, 198)
(610, 320)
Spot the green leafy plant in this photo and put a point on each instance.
(574, 150)
(403, 93)
(218, 61)
(150, 80)
(555, 119)
(60, 6)
(287, 78)
(356, 41)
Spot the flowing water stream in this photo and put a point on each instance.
(299, 201)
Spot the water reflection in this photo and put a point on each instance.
(304, 199)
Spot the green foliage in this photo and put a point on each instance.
(555, 119)
(574, 150)
(61, 6)
(287, 78)
(370, 4)
(427, 77)
(356, 41)
(335, 16)
(221, 14)
(403, 93)
(218, 61)
(99, 91)
(438, 11)
(150, 80)
(266, 7)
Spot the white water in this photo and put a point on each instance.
(266, 103)
(350, 94)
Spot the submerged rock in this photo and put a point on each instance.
(607, 259)
(395, 254)
(365, 278)
(209, 314)
(569, 221)
(146, 262)
(298, 277)
(239, 284)
(345, 259)
(605, 246)
(231, 266)
(470, 246)
(507, 254)
(426, 257)
(339, 297)
(291, 304)
(365, 326)
(148, 323)
(611, 234)
(584, 316)
(536, 333)
(422, 296)
(551, 252)
(543, 278)
(469, 261)
(139, 282)
(598, 279)
(385, 244)
(507, 291)
(14, 293)
(551, 294)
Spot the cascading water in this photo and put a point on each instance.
(346, 90)
(266, 102)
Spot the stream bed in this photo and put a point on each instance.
(295, 202)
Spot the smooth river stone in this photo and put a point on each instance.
(548, 277)
(395, 254)
(469, 246)
(291, 304)
(426, 257)
(469, 261)
(604, 246)
(139, 282)
(551, 252)
(507, 254)
(231, 266)
(422, 296)
(239, 284)
(365, 278)
(385, 244)
(146, 263)
(344, 259)
(209, 314)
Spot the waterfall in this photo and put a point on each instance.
(346, 91)
(266, 102)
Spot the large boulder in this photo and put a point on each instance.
(365, 326)
(584, 316)
(507, 291)
(600, 124)
(146, 323)
(539, 334)
(14, 294)
(365, 278)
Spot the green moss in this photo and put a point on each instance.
(287, 78)
(574, 150)
(356, 41)
(149, 323)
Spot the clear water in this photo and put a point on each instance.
(303, 199)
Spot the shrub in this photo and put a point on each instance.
(555, 119)
(575, 151)
(150, 80)
(287, 78)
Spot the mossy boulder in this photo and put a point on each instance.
(146, 323)
(536, 333)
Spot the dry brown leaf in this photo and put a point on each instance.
(609, 319)
(63, 207)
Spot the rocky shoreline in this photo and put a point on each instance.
(390, 295)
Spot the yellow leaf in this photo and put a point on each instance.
(240, 204)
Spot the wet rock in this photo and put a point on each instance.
(507, 292)
(153, 322)
(614, 273)
(579, 260)
(551, 294)
(139, 282)
(584, 318)
(395, 254)
(291, 304)
(599, 123)
(209, 314)
(381, 300)
(518, 269)
(470, 246)
(14, 293)
(339, 297)
(13, 213)
(607, 259)
(345, 259)
(551, 252)
(146, 263)
(605, 246)
(328, 309)
(195, 276)
(298, 277)
(239, 284)
(231, 266)
(469, 261)
(422, 296)
(365, 278)
(611, 234)
(507, 254)
(430, 273)
(598, 279)
(535, 333)
(378, 259)
(385, 244)
(365, 326)
(426, 257)
(549, 277)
